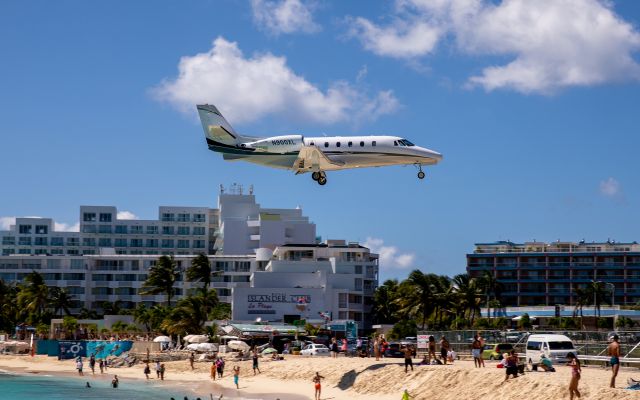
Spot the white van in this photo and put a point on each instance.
(554, 347)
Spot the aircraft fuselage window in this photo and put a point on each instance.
(395, 143)
(373, 143)
(361, 144)
(326, 144)
(338, 144)
(311, 144)
(350, 144)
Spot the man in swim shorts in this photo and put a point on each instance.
(408, 362)
(318, 386)
(236, 376)
(614, 352)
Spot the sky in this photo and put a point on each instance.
(534, 106)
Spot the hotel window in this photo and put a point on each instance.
(167, 230)
(88, 242)
(104, 242)
(25, 229)
(57, 251)
(183, 230)
(105, 217)
(135, 229)
(24, 251)
(198, 218)
(167, 217)
(121, 229)
(198, 244)
(198, 230)
(152, 230)
(121, 243)
(152, 242)
(89, 217)
(183, 244)
(183, 217)
(41, 241)
(9, 240)
(73, 241)
(41, 251)
(73, 252)
(24, 241)
(136, 242)
(42, 229)
(104, 229)
(89, 229)
(167, 243)
(8, 252)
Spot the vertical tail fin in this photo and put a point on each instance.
(215, 126)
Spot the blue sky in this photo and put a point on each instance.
(534, 106)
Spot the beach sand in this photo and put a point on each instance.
(356, 379)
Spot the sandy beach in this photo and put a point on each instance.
(355, 379)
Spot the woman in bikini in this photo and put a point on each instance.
(574, 363)
(316, 381)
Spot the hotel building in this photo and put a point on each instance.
(546, 274)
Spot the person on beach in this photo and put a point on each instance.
(574, 363)
(88, 385)
(115, 382)
(317, 384)
(192, 358)
(236, 376)
(92, 363)
(212, 372)
(147, 370)
(408, 362)
(158, 369)
(444, 349)
(344, 347)
(406, 395)
(255, 361)
(220, 367)
(481, 340)
(334, 348)
(614, 352)
(432, 348)
(79, 366)
(376, 348)
(475, 352)
(101, 366)
(511, 365)
(162, 369)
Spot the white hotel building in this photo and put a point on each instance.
(109, 258)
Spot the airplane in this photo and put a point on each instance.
(316, 155)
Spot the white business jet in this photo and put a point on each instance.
(312, 154)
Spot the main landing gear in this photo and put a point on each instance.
(420, 173)
(320, 177)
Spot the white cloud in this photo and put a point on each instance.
(283, 16)
(610, 188)
(390, 256)
(248, 88)
(62, 227)
(6, 222)
(126, 215)
(550, 44)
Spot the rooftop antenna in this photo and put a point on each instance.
(221, 189)
(251, 189)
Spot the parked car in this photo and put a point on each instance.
(394, 350)
(495, 351)
(554, 347)
(315, 349)
(623, 337)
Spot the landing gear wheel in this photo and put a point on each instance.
(322, 181)
(315, 176)
(420, 175)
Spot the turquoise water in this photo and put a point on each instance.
(39, 387)
(53, 388)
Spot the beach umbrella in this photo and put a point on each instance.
(207, 347)
(238, 345)
(162, 339)
(192, 346)
(186, 338)
(197, 339)
(269, 350)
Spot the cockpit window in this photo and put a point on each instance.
(395, 143)
(407, 143)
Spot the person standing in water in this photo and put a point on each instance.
(147, 370)
(614, 352)
(574, 363)
(115, 382)
(236, 376)
(318, 385)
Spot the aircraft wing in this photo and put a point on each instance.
(311, 158)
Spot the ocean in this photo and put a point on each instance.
(42, 386)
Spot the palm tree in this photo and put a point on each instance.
(9, 311)
(162, 277)
(111, 308)
(596, 290)
(491, 286)
(416, 296)
(469, 295)
(85, 313)
(33, 297)
(188, 316)
(142, 315)
(385, 307)
(61, 301)
(200, 271)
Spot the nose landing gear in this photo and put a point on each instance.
(320, 177)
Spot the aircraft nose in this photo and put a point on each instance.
(431, 153)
